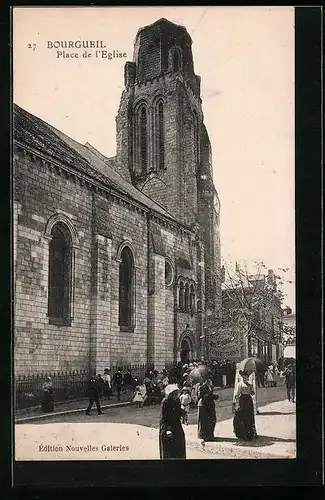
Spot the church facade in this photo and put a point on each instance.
(117, 260)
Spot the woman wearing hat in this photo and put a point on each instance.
(244, 419)
(47, 400)
(206, 412)
(171, 434)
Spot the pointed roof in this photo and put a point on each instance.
(39, 136)
(164, 25)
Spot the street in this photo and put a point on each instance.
(129, 433)
(149, 415)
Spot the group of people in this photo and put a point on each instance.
(103, 386)
(151, 389)
(222, 373)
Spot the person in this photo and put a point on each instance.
(206, 412)
(171, 434)
(244, 418)
(127, 379)
(100, 382)
(118, 382)
(195, 393)
(185, 400)
(276, 374)
(269, 376)
(162, 380)
(290, 381)
(107, 392)
(140, 395)
(94, 388)
(260, 375)
(48, 399)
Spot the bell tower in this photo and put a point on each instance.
(160, 119)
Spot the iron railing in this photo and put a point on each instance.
(67, 385)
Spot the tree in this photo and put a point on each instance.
(251, 304)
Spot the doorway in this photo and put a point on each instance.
(186, 351)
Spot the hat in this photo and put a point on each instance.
(185, 389)
(170, 388)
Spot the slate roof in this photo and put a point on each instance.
(32, 132)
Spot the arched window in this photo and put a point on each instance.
(160, 135)
(60, 275)
(187, 297)
(126, 289)
(181, 296)
(192, 299)
(169, 274)
(143, 139)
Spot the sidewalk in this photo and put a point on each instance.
(276, 428)
(79, 406)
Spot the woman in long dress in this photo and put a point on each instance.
(171, 434)
(47, 399)
(207, 412)
(244, 418)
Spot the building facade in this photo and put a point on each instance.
(116, 260)
(250, 322)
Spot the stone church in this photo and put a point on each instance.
(117, 260)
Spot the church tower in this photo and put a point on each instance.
(163, 147)
(160, 118)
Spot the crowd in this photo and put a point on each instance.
(181, 387)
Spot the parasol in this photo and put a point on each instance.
(251, 365)
(198, 375)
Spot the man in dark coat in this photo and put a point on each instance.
(94, 388)
(118, 382)
(171, 434)
(290, 380)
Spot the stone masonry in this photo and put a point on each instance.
(167, 218)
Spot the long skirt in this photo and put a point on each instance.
(172, 446)
(206, 422)
(47, 402)
(244, 419)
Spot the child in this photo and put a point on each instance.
(140, 395)
(185, 399)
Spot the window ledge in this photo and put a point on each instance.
(60, 321)
(129, 329)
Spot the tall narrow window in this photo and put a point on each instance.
(126, 293)
(181, 297)
(143, 140)
(187, 297)
(192, 299)
(160, 136)
(60, 273)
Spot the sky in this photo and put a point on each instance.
(245, 57)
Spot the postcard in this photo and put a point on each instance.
(153, 233)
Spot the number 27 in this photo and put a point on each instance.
(32, 46)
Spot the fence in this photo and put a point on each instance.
(67, 385)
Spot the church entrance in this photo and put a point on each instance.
(186, 350)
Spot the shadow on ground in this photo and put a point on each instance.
(261, 413)
(263, 441)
